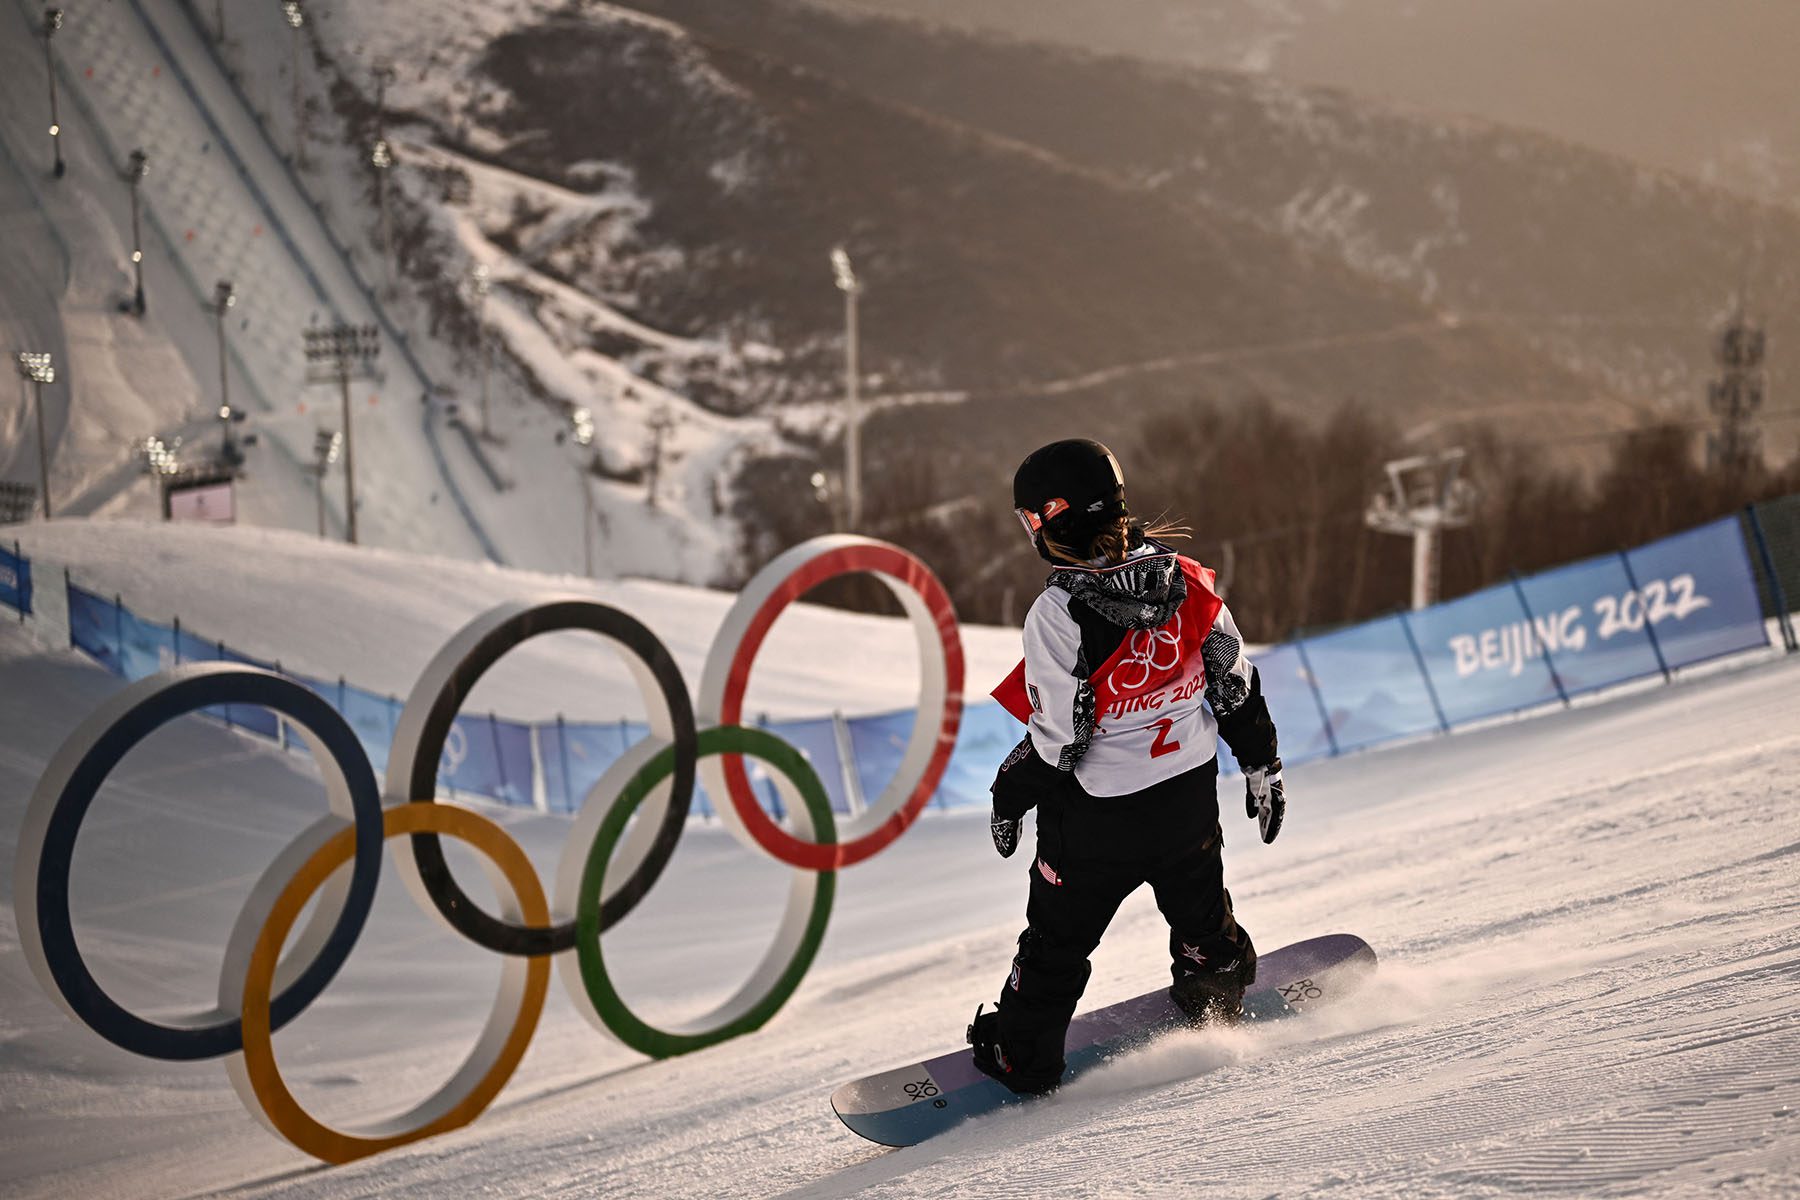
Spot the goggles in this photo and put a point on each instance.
(1033, 520)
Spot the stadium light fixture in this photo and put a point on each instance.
(338, 354)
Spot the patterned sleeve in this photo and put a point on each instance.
(1234, 692)
(1227, 670)
(1056, 683)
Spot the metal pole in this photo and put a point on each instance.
(1543, 643)
(387, 245)
(1424, 673)
(139, 164)
(53, 22)
(1649, 629)
(349, 452)
(587, 527)
(1312, 682)
(295, 19)
(482, 333)
(1424, 566)
(137, 252)
(319, 490)
(43, 450)
(853, 433)
(587, 519)
(1776, 593)
(224, 382)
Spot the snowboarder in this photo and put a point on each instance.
(1121, 649)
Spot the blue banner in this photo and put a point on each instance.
(1572, 625)
(987, 734)
(1371, 685)
(1696, 591)
(1288, 689)
(15, 581)
(575, 755)
(1592, 624)
(878, 744)
(93, 628)
(248, 716)
(1490, 626)
(817, 742)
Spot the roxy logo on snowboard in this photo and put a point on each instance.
(1300, 991)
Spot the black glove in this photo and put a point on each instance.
(1006, 833)
(1265, 798)
(1021, 781)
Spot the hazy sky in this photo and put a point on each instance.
(1707, 87)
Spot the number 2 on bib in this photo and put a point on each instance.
(1162, 745)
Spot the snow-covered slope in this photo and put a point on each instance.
(376, 617)
(1590, 982)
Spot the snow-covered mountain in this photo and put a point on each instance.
(1703, 90)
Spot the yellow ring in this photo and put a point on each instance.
(454, 1105)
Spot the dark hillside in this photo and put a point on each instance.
(1614, 270)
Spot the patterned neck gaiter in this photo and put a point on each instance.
(1141, 593)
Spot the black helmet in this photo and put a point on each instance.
(1071, 489)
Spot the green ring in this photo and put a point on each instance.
(612, 1010)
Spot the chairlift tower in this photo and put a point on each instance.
(1736, 395)
(1426, 495)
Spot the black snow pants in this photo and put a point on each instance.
(1092, 852)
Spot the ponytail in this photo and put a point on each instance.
(1116, 540)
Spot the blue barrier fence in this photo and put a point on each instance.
(1530, 642)
(1519, 645)
(15, 581)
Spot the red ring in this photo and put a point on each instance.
(897, 564)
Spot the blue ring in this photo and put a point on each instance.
(224, 684)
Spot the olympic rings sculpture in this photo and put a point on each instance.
(609, 862)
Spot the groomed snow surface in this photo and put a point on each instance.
(1590, 979)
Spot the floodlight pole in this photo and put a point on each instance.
(580, 430)
(337, 354)
(224, 296)
(325, 448)
(53, 19)
(660, 425)
(852, 288)
(140, 166)
(39, 369)
(296, 18)
(478, 278)
(382, 156)
(349, 454)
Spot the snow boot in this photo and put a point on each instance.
(991, 1058)
(1211, 996)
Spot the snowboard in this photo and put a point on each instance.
(909, 1104)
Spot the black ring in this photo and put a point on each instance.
(617, 626)
(163, 700)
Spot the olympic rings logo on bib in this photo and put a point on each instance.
(609, 862)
